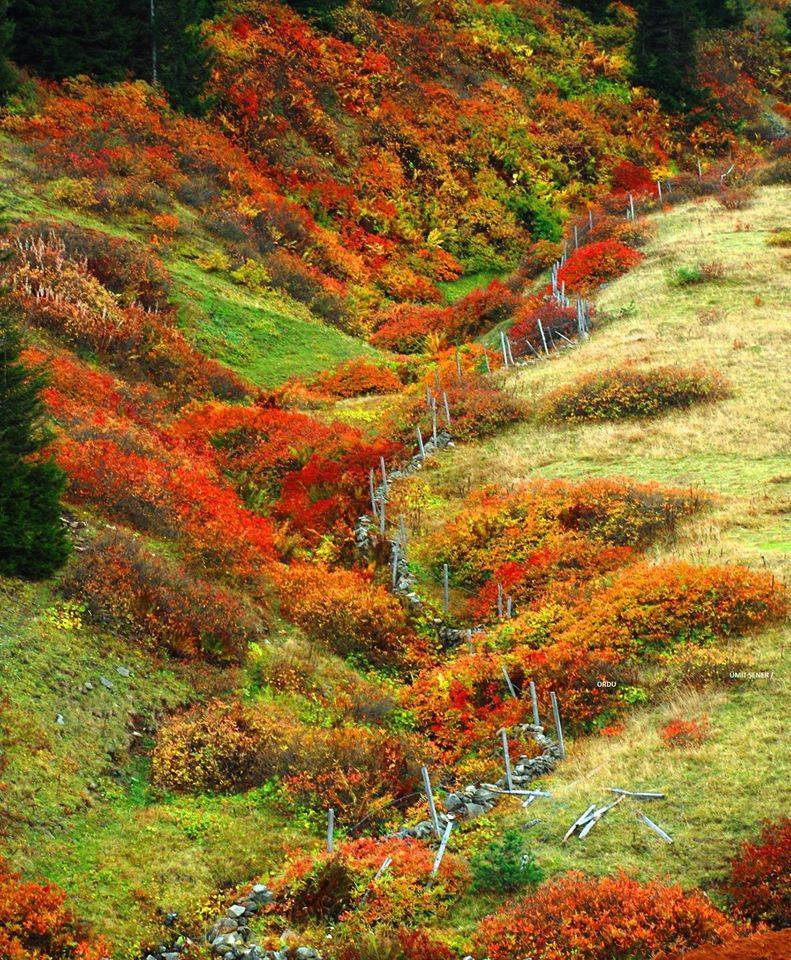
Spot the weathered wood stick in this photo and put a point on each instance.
(507, 757)
(384, 473)
(659, 193)
(597, 815)
(386, 863)
(504, 348)
(442, 846)
(430, 797)
(382, 515)
(508, 608)
(534, 701)
(558, 725)
(500, 601)
(638, 793)
(520, 793)
(372, 485)
(330, 829)
(395, 563)
(508, 683)
(420, 444)
(652, 826)
(447, 408)
(590, 219)
(576, 237)
(579, 822)
(434, 421)
(543, 337)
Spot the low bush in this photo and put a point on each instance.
(36, 924)
(539, 325)
(624, 392)
(346, 613)
(681, 733)
(736, 198)
(131, 590)
(383, 943)
(343, 886)
(356, 378)
(759, 946)
(760, 877)
(593, 918)
(505, 865)
(596, 263)
(702, 273)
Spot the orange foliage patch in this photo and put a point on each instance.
(602, 918)
(760, 880)
(596, 263)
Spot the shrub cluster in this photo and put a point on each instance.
(358, 377)
(623, 392)
(601, 918)
(127, 588)
(36, 924)
(760, 877)
(357, 770)
(588, 267)
(347, 613)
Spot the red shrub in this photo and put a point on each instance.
(685, 733)
(596, 263)
(760, 946)
(36, 924)
(760, 879)
(537, 314)
(130, 589)
(609, 918)
(404, 328)
(631, 178)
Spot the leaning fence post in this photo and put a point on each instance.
(534, 701)
(558, 727)
(373, 493)
(395, 563)
(434, 421)
(507, 757)
(631, 205)
(510, 352)
(659, 193)
(382, 515)
(500, 601)
(590, 220)
(442, 846)
(430, 796)
(700, 170)
(504, 348)
(576, 237)
(508, 683)
(384, 473)
(420, 444)
(543, 337)
(330, 829)
(508, 608)
(447, 408)
(445, 589)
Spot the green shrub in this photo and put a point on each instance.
(505, 866)
(623, 392)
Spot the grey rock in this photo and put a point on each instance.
(59, 720)
(223, 925)
(123, 671)
(87, 685)
(307, 953)
(106, 683)
(453, 801)
(236, 911)
(474, 809)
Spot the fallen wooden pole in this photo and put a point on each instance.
(534, 701)
(637, 793)
(430, 797)
(655, 827)
(442, 846)
(507, 757)
(597, 815)
(558, 725)
(583, 818)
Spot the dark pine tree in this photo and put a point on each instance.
(664, 51)
(181, 56)
(33, 541)
(7, 77)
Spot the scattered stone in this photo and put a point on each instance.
(123, 671)
(106, 683)
(88, 685)
(236, 911)
(59, 720)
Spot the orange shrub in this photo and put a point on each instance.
(36, 924)
(498, 527)
(596, 263)
(653, 607)
(759, 946)
(760, 878)
(358, 771)
(356, 378)
(129, 589)
(347, 613)
(606, 918)
(342, 886)
(623, 392)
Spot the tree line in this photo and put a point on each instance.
(155, 40)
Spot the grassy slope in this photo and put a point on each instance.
(266, 337)
(717, 792)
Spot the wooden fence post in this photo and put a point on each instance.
(504, 348)
(590, 220)
(558, 727)
(382, 516)
(384, 474)
(659, 194)
(508, 608)
(372, 485)
(330, 829)
(700, 170)
(447, 408)
(442, 846)
(543, 337)
(507, 757)
(500, 601)
(434, 420)
(420, 444)
(395, 563)
(430, 796)
(509, 684)
(631, 205)
(576, 237)
(534, 701)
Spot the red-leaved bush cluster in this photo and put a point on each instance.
(596, 263)
(343, 886)
(129, 589)
(760, 877)
(36, 924)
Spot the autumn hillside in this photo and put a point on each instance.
(362, 365)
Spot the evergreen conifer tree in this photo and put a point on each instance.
(33, 542)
